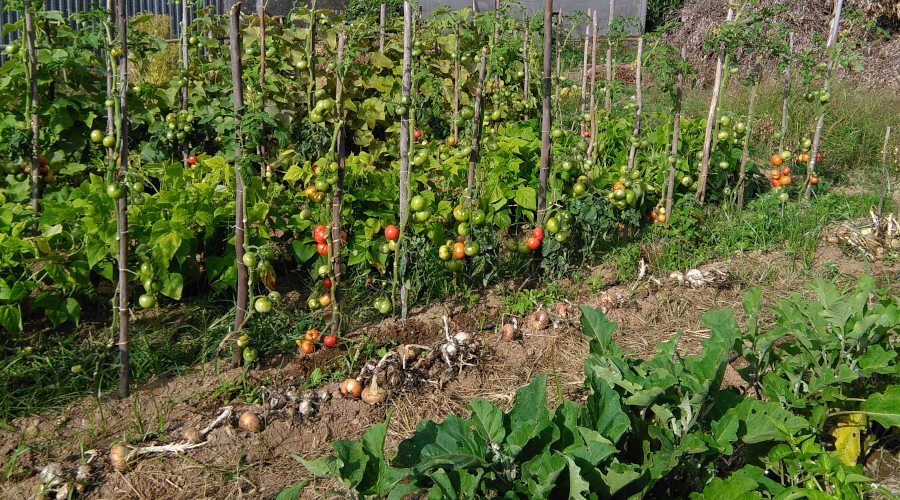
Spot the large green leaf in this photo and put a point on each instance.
(529, 417)
(11, 317)
(884, 407)
(487, 420)
(599, 330)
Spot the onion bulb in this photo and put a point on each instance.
(373, 394)
(540, 320)
(352, 387)
(508, 332)
(118, 457)
(191, 435)
(250, 422)
(560, 309)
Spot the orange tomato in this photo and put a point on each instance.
(804, 157)
(653, 215)
(661, 218)
(785, 180)
(325, 300)
(312, 335)
(459, 250)
(618, 185)
(776, 160)
(786, 171)
(813, 180)
(307, 347)
(775, 174)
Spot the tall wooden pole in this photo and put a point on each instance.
(405, 136)
(609, 58)
(638, 101)
(559, 28)
(240, 221)
(676, 132)
(336, 197)
(381, 20)
(832, 39)
(592, 140)
(711, 119)
(476, 128)
(745, 148)
(454, 125)
(885, 174)
(786, 92)
(546, 118)
(33, 109)
(122, 208)
(184, 66)
(525, 91)
(584, 71)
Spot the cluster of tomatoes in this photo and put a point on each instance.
(780, 176)
(307, 344)
(659, 214)
(533, 242)
(325, 173)
(454, 252)
(43, 168)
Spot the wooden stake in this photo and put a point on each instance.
(405, 139)
(243, 276)
(32, 109)
(546, 124)
(584, 72)
(711, 119)
(745, 150)
(476, 130)
(787, 91)
(184, 66)
(885, 174)
(381, 20)
(832, 39)
(454, 125)
(676, 132)
(559, 28)
(609, 58)
(122, 208)
(638, 101)
(337, 196)
(525, 93)
(592, 141)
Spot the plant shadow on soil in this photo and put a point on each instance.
(233, 463)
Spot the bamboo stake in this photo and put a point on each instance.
(243, 277)
(405, 135)
(122, 208)
(261, 147)
(584, 72)
(745, 150)
(337, 196)
(31, 110)
(787, 92)
(559, 27)
(454, 125)
(476, 130)
(592, 140)
(711, 119)
(832, 39)
(676, 132)
(609, 58)
(885, 175)
(639, 102)
(311, 56)
(545, 116)
(525, 92)
(184, 66)
(381, 20)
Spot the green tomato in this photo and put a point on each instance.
(552, 225)
(262, 305)
(96, 136)
(422, 215)
(383, 304)
(477, 217)
(274, 296)
(561, 236)
(556, 133)
(686, 181)
(109, 141)
(417, 203)
(250, 260)
(454, 265)
(147, 301)
(472, 248)
(249, 355)
(151, 285)
(566, 166)
(444, 253)
(462, 229)
(322, 185)
(578, 189)
(460, 213)
(114, 191)
(243, 341)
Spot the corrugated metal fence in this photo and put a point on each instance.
(133, 7)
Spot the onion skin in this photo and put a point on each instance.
(250, 422)
(508, 332)
(353, 387)
(540, 320)
(373, 395)
(118, 454)
(191, 435)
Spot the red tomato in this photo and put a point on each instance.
(391, 232)
(586, 134)
(417, 134)
(326, 283)
(819, 157)
(533, 243)
(786, 171)
(329, 341)
(192, 160)
(322, 248)
(319, 233)
(538, 233)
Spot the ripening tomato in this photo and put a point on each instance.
(329, 340)
(312, 335)
(326, 283)
(307, 347)
(319, 233)
(538, 232)
(391, 232)
(776, 160)
(819, 157)
(322, 248)
(661, 218)
(586, 134)
(813, 180)
(786, 171)
(192, 160)
(533, 243)
(653, 215)
(325, 300)
(785, 180)
(459, 250)
(775, 174)
(417, 134)
(804, 158)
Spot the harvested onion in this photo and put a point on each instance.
(352, 387)
(191, 435)
(250, 422)
(373, 394)
(540, 320)
(508, 332)
(118, 457)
